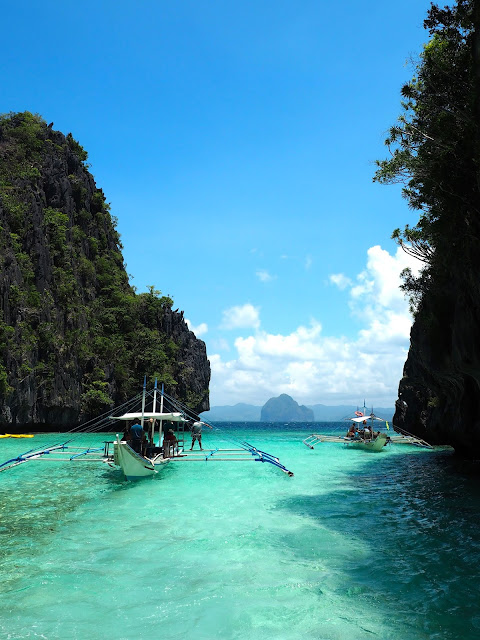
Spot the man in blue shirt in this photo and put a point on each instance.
(137, 435)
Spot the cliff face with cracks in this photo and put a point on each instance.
(439, 394)
(75, 339)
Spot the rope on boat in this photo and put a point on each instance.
(261, 456)
(91, 426)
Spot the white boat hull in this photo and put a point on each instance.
(133, 465)
(376, 444)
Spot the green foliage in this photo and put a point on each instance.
(95, 401)
(95, 398)
(79, 193)
(15, 209)
(15, 295)
(435, 146)
(77, 148)
(55, 223)
(30, 173)
(86, 270)
(195, 399)
(5, 388)
(65, 285)
(78, 235)
(98, 202)
(27, 129)
(84, 317)
(93, 242)
(155, 299)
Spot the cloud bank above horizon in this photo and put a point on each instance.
(315, 368)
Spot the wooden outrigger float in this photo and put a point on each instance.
(140, 462)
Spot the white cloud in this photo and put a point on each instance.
(315, 368)
(219, 344)
(241, 317)
(198, 331)
(264, 276)
(340, 280)
(308, 262)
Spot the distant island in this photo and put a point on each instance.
(243, 412)
(285, 409)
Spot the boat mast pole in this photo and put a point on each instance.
(143, 400)
(152, 432)
(161, 421)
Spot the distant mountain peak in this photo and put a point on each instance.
(285, 409)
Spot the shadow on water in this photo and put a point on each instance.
(403, 532)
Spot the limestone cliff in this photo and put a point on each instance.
(74, 337)
(439, 394)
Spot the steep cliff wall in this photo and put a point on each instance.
(434, 152)
(439, 394)
(74, 337)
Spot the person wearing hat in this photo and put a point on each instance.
(197, 434)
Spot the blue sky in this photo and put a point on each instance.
(236, 144)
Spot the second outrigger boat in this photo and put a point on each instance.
(363, 435)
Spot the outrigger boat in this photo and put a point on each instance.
(366, 437)
(147, 461)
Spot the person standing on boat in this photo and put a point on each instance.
(197, 434)
(137, 435)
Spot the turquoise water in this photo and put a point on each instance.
(357, 545)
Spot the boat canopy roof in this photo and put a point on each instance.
(365, 418)
(172, 417)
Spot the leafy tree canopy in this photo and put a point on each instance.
(435, 144)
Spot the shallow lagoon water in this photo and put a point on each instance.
(357, 545)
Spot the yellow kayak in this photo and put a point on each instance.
(17, 435)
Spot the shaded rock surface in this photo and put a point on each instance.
(439, 394)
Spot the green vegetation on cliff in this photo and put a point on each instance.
(435, 147)
(74, 335)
